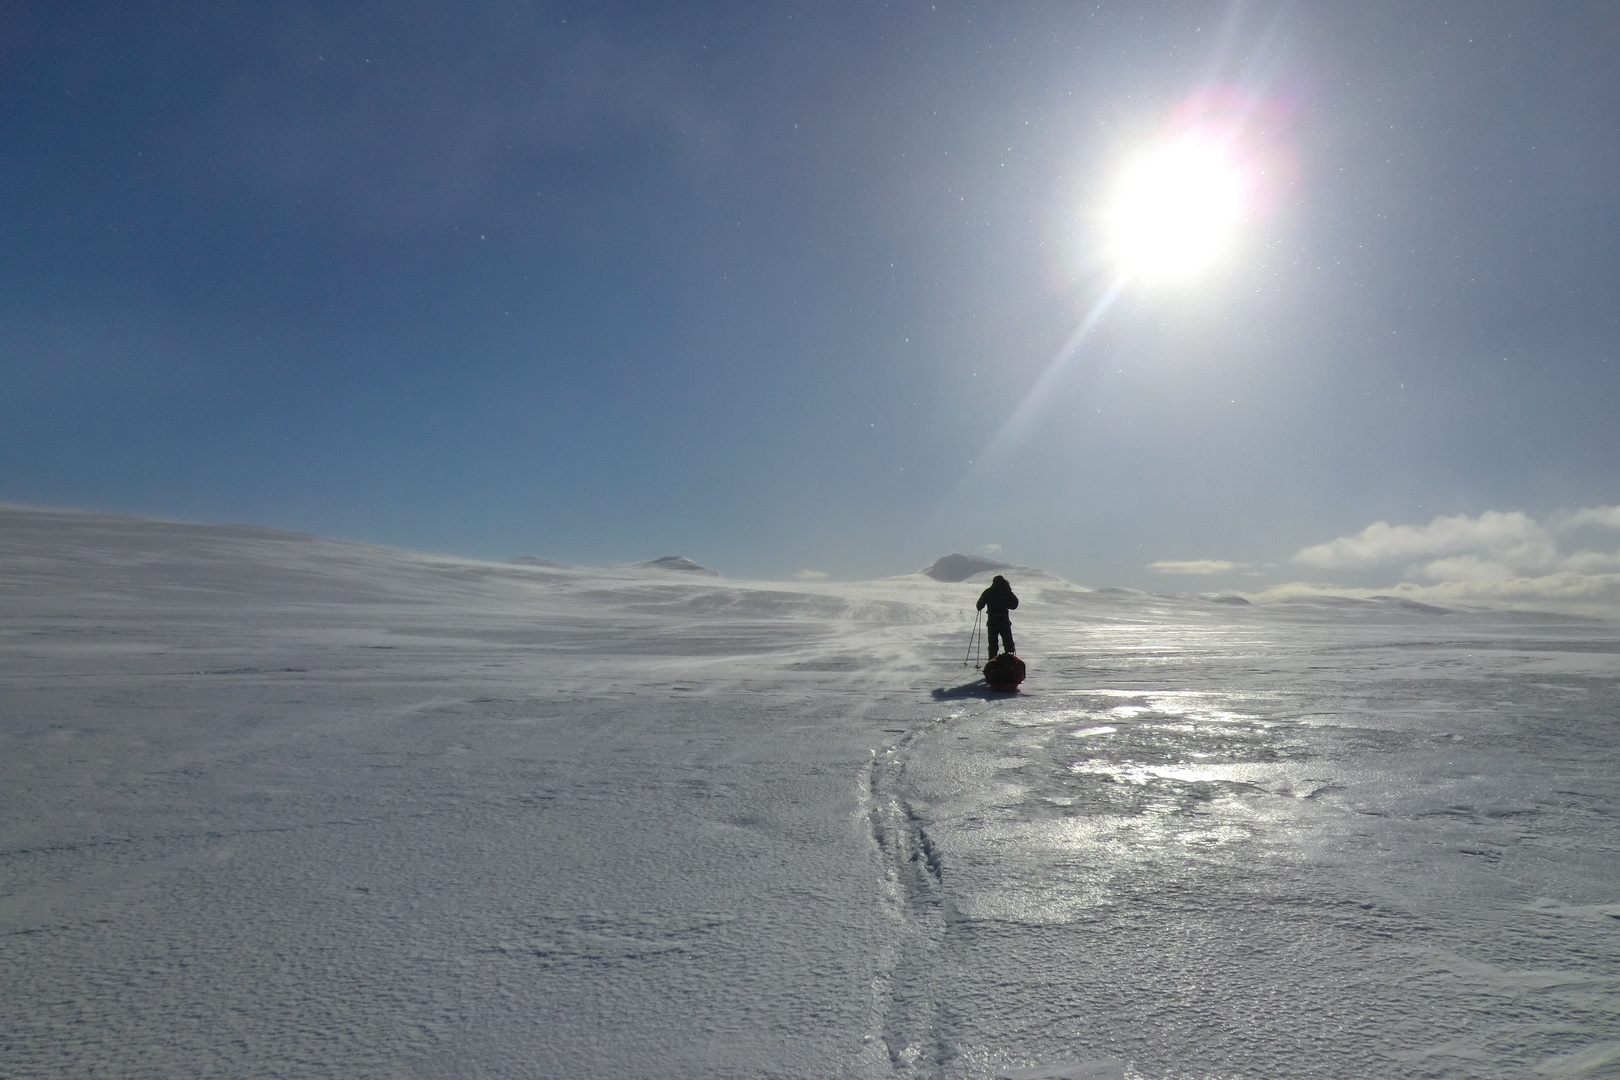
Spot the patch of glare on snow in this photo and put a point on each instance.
(1131, 773)
(1193, 706)
(1162, 710)
(1182, 704)
(1224, 834)
(1175, 711)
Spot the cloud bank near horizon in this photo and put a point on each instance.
(1498, 559)
(1192, 566)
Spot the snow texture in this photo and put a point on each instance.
(276, 806)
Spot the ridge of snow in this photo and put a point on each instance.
(534, 560)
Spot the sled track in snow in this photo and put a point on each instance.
(907, 994)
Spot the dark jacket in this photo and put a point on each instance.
(998, 598)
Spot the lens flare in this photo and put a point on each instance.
(1177, 208)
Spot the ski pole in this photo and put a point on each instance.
(972, 642)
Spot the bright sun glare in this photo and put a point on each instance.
(1177, 208)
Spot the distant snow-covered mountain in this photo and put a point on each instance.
(532, 560)
(676, 562)
(954, 568)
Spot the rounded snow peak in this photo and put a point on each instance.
(676, 562)
(953, 568)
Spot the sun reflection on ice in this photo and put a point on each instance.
(1133, 773)
(1186, 707)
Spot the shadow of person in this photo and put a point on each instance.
(978, 688)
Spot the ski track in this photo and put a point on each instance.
(914, 888)
(274, 806)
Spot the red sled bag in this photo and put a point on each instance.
(1004, 673)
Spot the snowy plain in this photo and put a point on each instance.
(278, 806)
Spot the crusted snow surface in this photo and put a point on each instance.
(275, 806)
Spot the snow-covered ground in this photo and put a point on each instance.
(275, 806)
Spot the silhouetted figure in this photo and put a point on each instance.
(997, 600)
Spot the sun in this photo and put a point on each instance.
(1177, 209)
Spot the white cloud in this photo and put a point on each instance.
(991, 549)
(811, 575)
(1606, 517)
(1592, 562)
(1466, 568)
(1512, 539)
(1192, 566)
(1499, 559)
(1587, 594)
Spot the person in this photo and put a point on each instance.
(999, 600)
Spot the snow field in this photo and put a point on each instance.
(275, 806)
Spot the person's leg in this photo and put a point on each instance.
(999, 630)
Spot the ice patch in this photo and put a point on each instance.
(1144, 774)
(1607, 914)
(1582, 1063)
(1074, 1070)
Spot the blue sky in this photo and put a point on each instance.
(764, 284)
